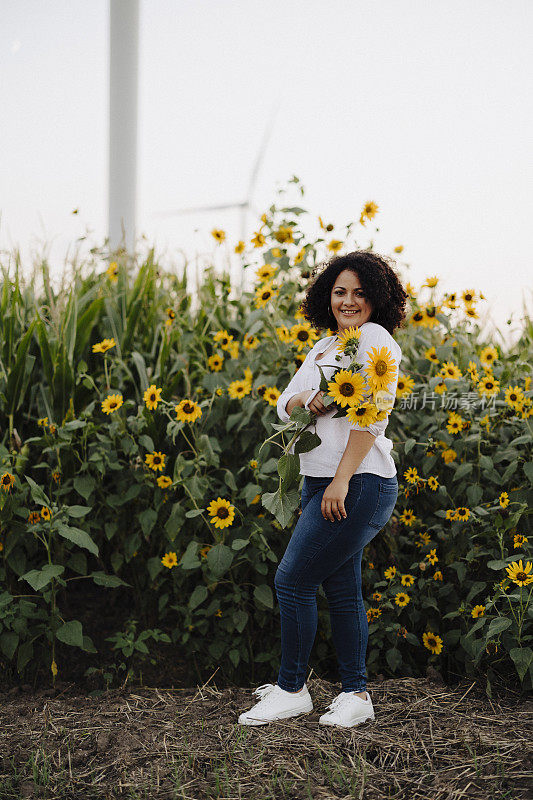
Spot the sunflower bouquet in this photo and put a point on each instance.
(363, 398)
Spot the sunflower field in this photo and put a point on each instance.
(133, 421)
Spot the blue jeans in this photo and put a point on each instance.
(329, 553)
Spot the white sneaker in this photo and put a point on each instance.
(347, 710)
(275, 704)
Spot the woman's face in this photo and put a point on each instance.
(347, 295)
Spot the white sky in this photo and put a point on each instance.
(423, 107)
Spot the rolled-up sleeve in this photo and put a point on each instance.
(377, 339)
(295, 385)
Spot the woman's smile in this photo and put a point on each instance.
(348, 301)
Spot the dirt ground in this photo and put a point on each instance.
(428, 742)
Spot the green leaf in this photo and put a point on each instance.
(528, 469)
(474, 494)
(71, 633)
(198, 597)
(101, 579)
(78, 511)
(37, 493)
(189, 559)
(394, 658)
(219, 559)
(498, 625)
(79, 537)
(307, 441)
(174, 523)
(84, 485)
(263, 595)
(408, 446)
(39, 578)
(147, 442)
(147, 518)
(462, 470)
(239, 544)
(522, 657)
(240, 618)
(194, 512)
(281, 504)
(289, 468)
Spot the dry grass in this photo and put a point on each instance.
(429, 742)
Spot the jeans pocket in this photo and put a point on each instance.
(385, 506)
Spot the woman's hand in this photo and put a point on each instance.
(333, 500)
(316, 405)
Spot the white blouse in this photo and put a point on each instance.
(323, 460)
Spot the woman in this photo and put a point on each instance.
(349, 492)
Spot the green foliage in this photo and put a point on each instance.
(206, 588)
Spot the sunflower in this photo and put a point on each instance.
(45, 513)
(469, 296)
(431, 282)
(520, 574)
(369, 211)
(7, 481)
(258, 239)
(329, 227)
(376, 596)
(34, 517)
(347, 389)
(519, 540)
(398, 248)
(188, 411)
(411, 475)
(164, 481)
(112, 403)
(488, 386)
(408, 579)
(390, 572)
(433, 483)
(440, 387)
(432, 556)
(432, 641)
(265, 293)
(450, 370)
(171, 316)
(470, 312)
(155, 460)
(472, 371)
(266, 271)
(112, 272)
(430, 316)
(215, 363)
(335, 245)
(448, 455)
(462, 513)
(348, 338)
(299, 257)
(218, 234)
(450, 300)
(223, 338)
(239, 389)
(222, 512)
(239, 247)
(380, 368)
(488, 355)
(402, 599)
(450, 514)
(405, 385)
(417, 318)
(271, 395)
(478, 611)
(408, 517)
(431, 355)
(455, 423)
(250, 342)
(362, 415)
(169, 560)
(42, 422)
(105, 344)
(303, 335)
(426, 537)
(504, 499)
(373, 613)
(152, 397)
(514, 396)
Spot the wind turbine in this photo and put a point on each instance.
(245, 206)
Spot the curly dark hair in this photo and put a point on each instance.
(378, 280)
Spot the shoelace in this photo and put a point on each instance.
(264, 690)
(338, 701)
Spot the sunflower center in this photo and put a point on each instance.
(265, 295)
(346, 389)
(188, 408)
(489, 385)
(302, 336)
(222, 513)
(520, 576)
(360, 412)
(152, 397)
